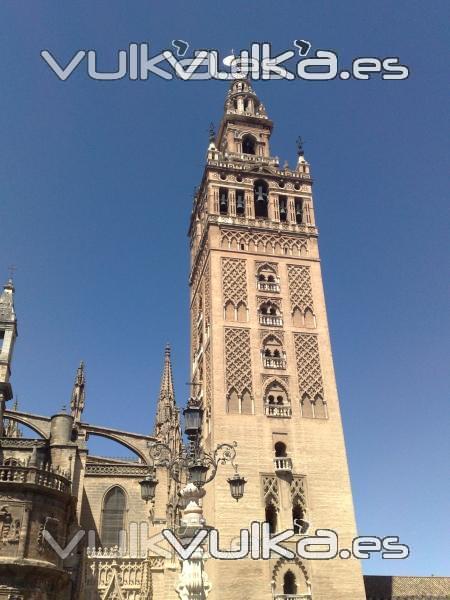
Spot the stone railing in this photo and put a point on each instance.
(33, 475)
(268, 286)
(272, 320)
(273, 410)
(283, 463)
(273, 362)
(22, 443)
(102, 470)
(293, 597)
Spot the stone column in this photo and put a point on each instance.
(193, 583)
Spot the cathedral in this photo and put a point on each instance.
(77, 526)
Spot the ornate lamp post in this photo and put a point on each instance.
(192, 467)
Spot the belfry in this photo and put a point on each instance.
(261, 356)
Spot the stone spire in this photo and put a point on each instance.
(8, 334)
(167, 418)
(12, 429)
(78, 394)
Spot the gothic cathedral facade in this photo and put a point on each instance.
(262, 361)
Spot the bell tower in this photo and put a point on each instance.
(262, 362)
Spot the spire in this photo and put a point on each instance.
(78, 394)
(7, 302)
(12, 429)
(166, 410)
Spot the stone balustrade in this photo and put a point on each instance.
(44, 477)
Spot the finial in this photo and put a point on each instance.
(16, 404)
(64, 408)
(212, 132)
(300, 150)
(167, 350)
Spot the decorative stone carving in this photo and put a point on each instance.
(300, 290)
(238, 372)
(308, 365)
(234, 280)
(270, 490)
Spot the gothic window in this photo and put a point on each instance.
(2, 339)
(276, 395)
(289, 584)
(223, 201)
(113, 517)
(282, 206)
(260, 192)
(273, 354)
(233, 402)
(229, 311)
(269, 314)
(267, 279)
(246, 404)
(307, 408)
(248, 144)
(271, 517)
(297, 517)
(299, 211)
(240, 202)
(320, 411)
(310, 321)
(241, 312)
(297, 317)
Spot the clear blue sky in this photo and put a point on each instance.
(96, 185)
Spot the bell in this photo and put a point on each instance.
(260, 198)
(283, 210)
(240, 204)
(223, 203)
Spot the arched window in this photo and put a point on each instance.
(233, 402)
(276, 394)
(260, 193)
(280, 450)
(240, 202)
(282, 207)
(289, 583)
(229, 311)
(307, 409)
(271, 517)
(299, 211)
(223, 201)
(297, 518)
(241, 312)
(247, 404)
(310, 321)
(248, 144)
(320, 411)
(297, 317)
(113, 517)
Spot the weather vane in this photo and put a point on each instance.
(212, 132)
(12, 269)
(300, 143)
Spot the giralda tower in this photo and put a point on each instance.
(262, 361)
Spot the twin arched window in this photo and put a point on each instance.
(113, 517)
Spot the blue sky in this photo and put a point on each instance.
(96, 183)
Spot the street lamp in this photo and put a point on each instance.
(148, 486)
(193, 414)
(237, 484)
